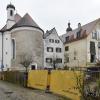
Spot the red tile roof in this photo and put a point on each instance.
(86, 30)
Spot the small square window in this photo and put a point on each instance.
(58, 49)
(67, 48)
(59, 60)
(49, 60)
(49, 49)
(51, 40)
(57, 41)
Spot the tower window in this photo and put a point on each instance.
(11, 13)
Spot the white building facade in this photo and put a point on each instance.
(82, 45)
(53, 50)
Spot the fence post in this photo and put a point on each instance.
(25, 78)
(48, 82)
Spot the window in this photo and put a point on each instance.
(75, 54)
(74, 58)
(92, 52)
(66, 58)
(94, 35)
(49, 49)
(11, 13)
(57, 41)
(67, 48)
(67, 38)
(78, 34)
(6, 53)
(59, 60)
(49, 60)
(13, 48)
(58, 49)
(98, 44)
(51, 40)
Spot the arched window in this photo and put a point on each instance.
(11, 13)
(13, 48)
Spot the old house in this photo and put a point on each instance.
(53, 50)
(82, 45)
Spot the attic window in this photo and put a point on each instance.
(51, 40)
(57, 41)
(11, 13)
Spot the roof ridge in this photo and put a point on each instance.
(26, 20)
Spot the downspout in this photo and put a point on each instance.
(2, 65)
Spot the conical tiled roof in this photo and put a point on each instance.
(26, 21)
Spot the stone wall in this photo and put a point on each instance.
(28, 41)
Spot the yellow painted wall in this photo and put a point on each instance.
(64, 83)
(38, 79)
(61, 82)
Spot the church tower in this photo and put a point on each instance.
(10, 15)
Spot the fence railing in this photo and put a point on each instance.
(15, 77)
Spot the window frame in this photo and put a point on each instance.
(67, 48)
(11, 12)
(57, 41)
(51, 40)
(58, 50)
(67, 38)
(13, 48)
(49, 49)
(59, 60)
(49, 59)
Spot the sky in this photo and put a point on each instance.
(54, 13)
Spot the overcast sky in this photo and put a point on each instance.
(54, 13)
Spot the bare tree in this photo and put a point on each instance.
(25, 60)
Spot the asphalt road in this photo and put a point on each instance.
(10, 91)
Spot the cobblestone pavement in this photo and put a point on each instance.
(10, 91)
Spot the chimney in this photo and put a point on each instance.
(79, 27)
(69, 28)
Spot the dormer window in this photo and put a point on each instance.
(11, 13)
(67, 38)
(78, 34)
(94, 35)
